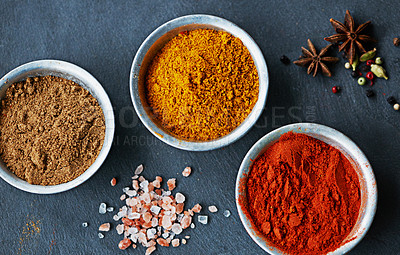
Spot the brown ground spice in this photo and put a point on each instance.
(51, 130)
(202, 84)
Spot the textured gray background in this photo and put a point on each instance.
(103, 38)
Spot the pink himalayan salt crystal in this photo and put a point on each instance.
(186, 221)
(171, 184)
(176, 228)
(187, 171)
(175, 242)
(120, 229)
(166, 222)
(180, 198)
(196, 208)
(150, 250)
(213, 209)
(147, 217)
(156, 184)
(139, 170)
(113, 182)
(104, 227)
(135, 184)
(162, 242)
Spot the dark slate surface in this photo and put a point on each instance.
(103, 39)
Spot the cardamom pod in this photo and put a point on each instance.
(368, 55)
(355, 63)
(379, 71)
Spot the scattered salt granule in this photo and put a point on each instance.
(180, 198)
(102, 208)
(187, 171)
(171, 184)
(104, 227)
(175, 242)
(203, 219)
(139, 170)
(100, 235)
(110, 209)
(152, 216)
(213, 209)
(113, 182)
(85, 224)
(227, 213)
(192, 225)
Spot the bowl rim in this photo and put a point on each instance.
(316, 131)
(96, 90)
(225, 25)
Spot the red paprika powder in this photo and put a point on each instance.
(303, 195)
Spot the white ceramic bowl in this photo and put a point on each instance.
(86, 80)
(369, 193)
(155, 41)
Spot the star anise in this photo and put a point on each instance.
(315, 60)
(349, 36)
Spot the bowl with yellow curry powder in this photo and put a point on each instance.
(306, 189)
(199, 82)
(56, 126)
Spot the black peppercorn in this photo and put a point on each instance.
(285, 60)
(370, 93)
(365, 68)
(355, 74)
(391, 100)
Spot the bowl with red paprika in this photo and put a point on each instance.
(306, 189)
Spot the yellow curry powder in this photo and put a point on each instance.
(202, 84)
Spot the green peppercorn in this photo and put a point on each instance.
(378, 61)
(361, 81)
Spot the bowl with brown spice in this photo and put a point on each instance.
(199, 82)
(56, 126)
(306, 188)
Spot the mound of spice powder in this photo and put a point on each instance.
(303, 195)
(202, 84)
(51, 130)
